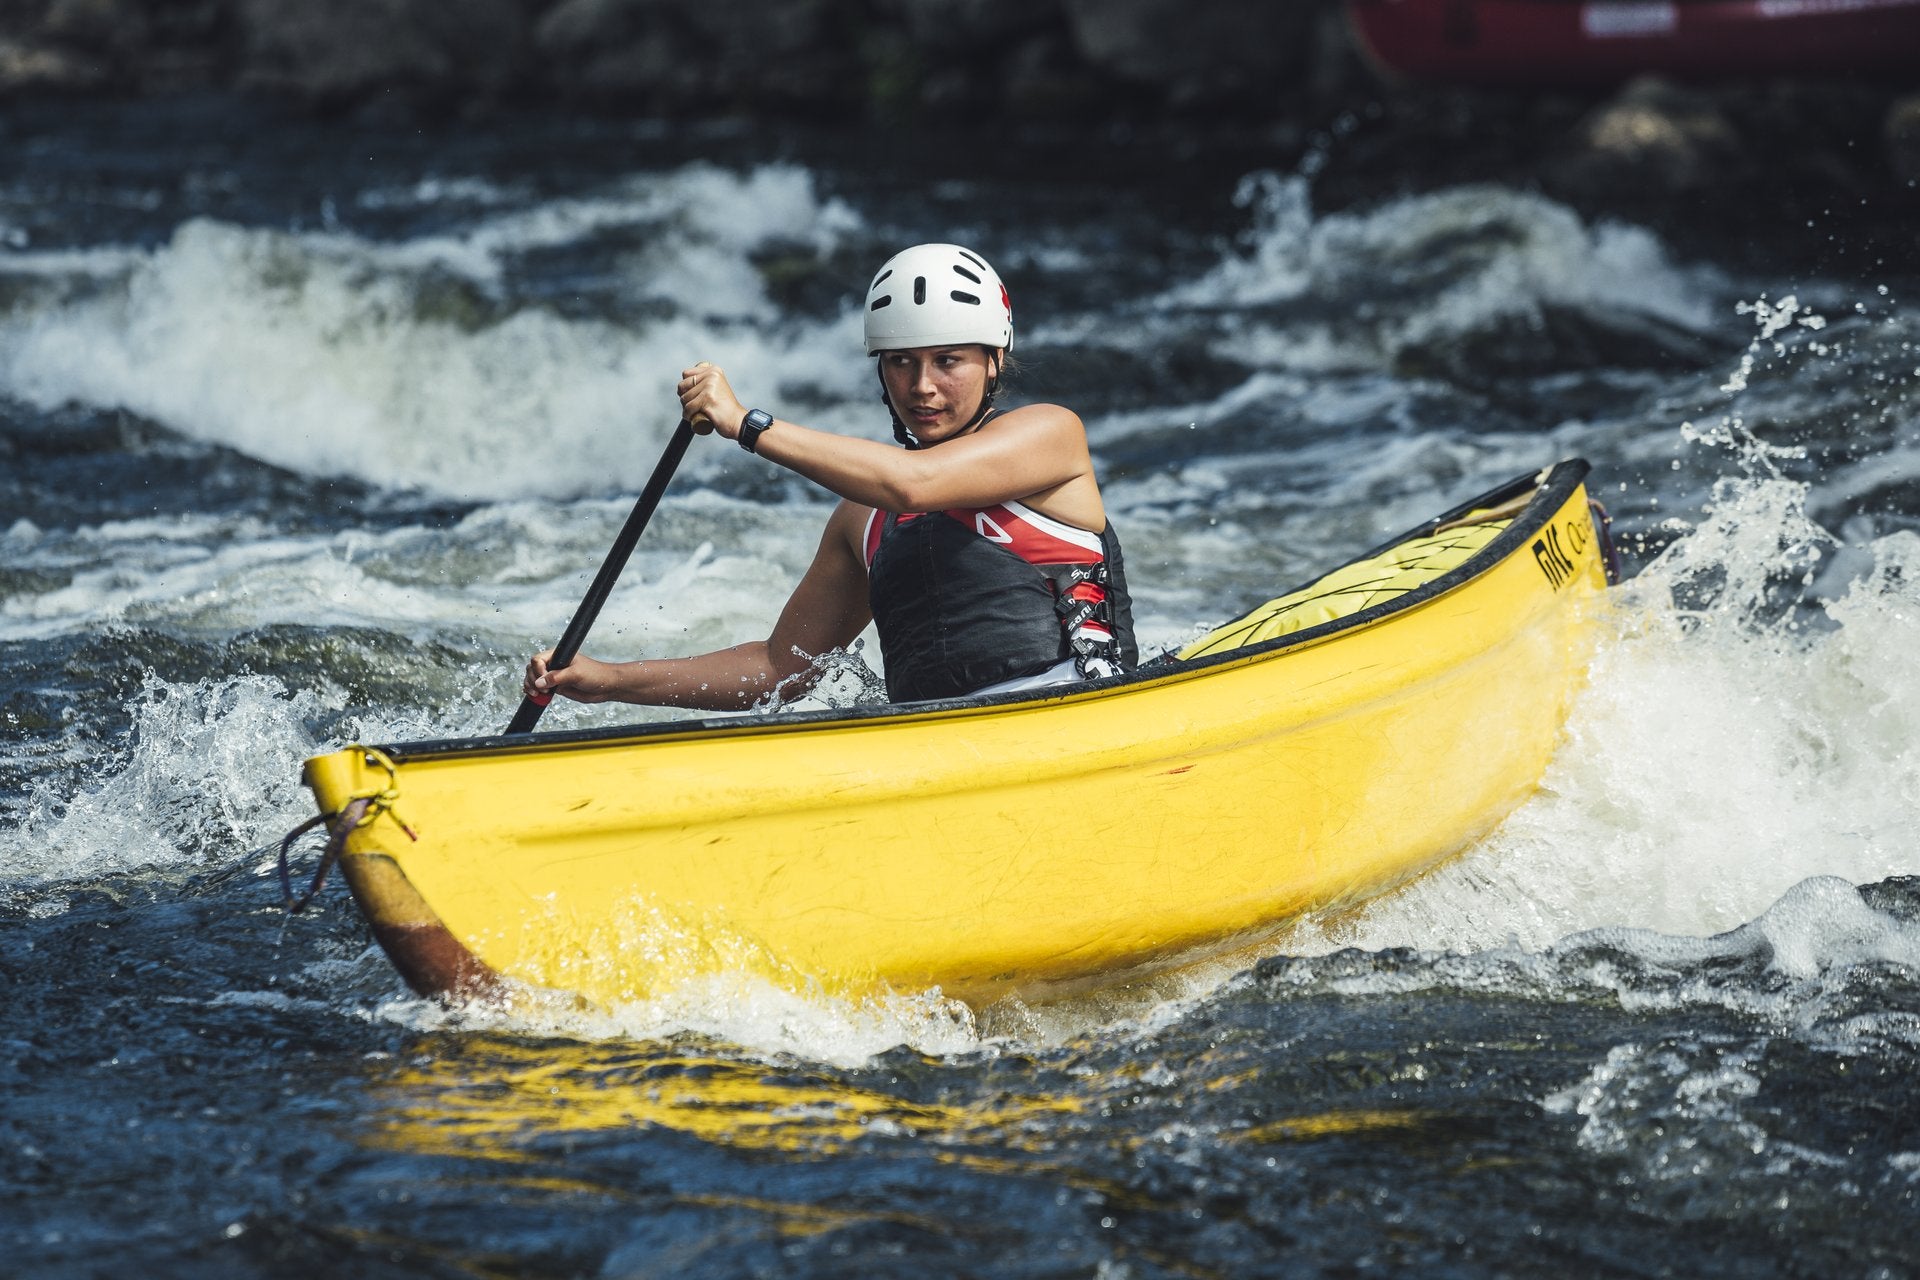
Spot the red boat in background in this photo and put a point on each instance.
(1592, 42)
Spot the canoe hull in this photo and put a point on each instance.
(982, 849)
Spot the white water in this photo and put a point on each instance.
(333, 355)
(408, 364)
(1715, 763)
(1712, 764)
(1723, 766)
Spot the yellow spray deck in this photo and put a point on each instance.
(1026, 843)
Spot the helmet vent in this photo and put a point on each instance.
(960, 270)
(919, 290)
(877, 280)
(966, 297)
(881, 302)
(970, 258)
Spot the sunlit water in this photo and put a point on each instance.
(297, 451)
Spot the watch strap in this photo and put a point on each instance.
(751, 427)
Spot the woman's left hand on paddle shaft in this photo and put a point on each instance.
(707, 401)
(584, 679)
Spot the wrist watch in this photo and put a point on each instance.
(756, 421)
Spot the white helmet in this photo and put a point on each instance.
(933, 295)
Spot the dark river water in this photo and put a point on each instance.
(308, 434)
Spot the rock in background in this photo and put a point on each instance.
(695, 57)
(341, 50)
(1283, 77)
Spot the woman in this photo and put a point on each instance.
(1013, 582)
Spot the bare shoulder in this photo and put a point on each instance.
(1049, 430)
(1054, 434)
(1040, 417)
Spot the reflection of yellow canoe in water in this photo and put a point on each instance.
(1306, 756)
(525, 1106)
(498, 1092)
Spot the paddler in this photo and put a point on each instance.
(981, 550)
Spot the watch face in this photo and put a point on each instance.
(756, 421)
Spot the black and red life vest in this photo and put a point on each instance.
(973, 596)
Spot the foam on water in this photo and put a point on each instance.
(416, 363)
(513, 571)
(1726, 750)
(1728, 775)
(334, 355)
(1354, 290)
(1688, 1105)
(207, 776)
(211, 771)
(1815, 983)
(750, 1012)
(1789, 965)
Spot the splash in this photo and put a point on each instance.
(758, 1015)
(1362, 289)
(415, 365)
(839, 679)
(211, 769)
(208, 775)
(1739, 735)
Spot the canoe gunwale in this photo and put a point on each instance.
(1550, 493)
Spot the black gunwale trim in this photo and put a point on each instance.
(1552, 492)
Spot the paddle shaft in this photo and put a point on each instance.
(576, 633)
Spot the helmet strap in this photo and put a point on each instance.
(900, 431)
(986, 400)
(907, 437)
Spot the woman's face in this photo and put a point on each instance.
(937, 390)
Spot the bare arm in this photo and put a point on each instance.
(1032, 450)
(1029, 453)
(826, 611)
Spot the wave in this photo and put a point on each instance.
(1726, 751)
(530, 350)
(1467, 283)
(415, 364)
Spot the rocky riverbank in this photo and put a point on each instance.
(1285, 80)
(824, 58)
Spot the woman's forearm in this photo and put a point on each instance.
(865, 471)
(725, 680)
(1029, 451)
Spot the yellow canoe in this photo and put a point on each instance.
(1330, 745)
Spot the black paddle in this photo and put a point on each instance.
(576, 634)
